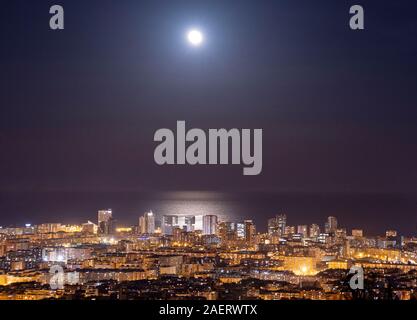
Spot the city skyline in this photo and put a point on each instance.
(258, 206)
(204, 258)
(150, 223)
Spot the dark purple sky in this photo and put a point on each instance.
(79, 107)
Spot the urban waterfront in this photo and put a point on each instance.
(211, 151)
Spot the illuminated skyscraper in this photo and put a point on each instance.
(147, 223)
(303, 230)
(198, 223)
(104, 215)
(249, 231)
(346, 249)
(331, 225)
(272, 226)
(277, 225)
(142, 225)
(106, 223)
(209, 224)
(169, 222)
(240, 230)
(227, 231)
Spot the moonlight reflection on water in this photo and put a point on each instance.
(372, 212)
(195, 203)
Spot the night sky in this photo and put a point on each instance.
(79, 107)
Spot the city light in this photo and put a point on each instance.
(205, 251)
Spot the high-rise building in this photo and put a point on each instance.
(277, 225)
(147, 223)
(282, 222)
(346, 249)
(227, 231)
(169, 222)
(272, 226)
(303, 230)
(331, 225)
(150, 222)
(250, 231)
(391, 233)
(209, 224)
(106, 223)
(142, 225)
(314, 230)
(240, 230)
(104, 215)
(198, 223)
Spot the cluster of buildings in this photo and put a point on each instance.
(202, 257)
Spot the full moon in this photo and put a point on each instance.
(195, 37)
